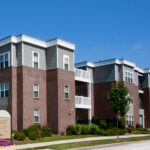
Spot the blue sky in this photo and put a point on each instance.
(101, 29)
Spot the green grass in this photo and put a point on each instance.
(91, 143)
(53, 138)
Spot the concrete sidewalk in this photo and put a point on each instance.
(38, 145)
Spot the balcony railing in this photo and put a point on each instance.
(82, 75)
(82, 102)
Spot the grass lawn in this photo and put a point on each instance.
(92, 143)
(53, 138)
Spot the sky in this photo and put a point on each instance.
(100, 29)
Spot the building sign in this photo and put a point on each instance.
(5, 125)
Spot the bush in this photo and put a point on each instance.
(95, 120)
(45, 131)
(34, 128)
(26, 132)
(103, 124)
(33, 135)
(121, 122)
(138, 126)
(93, 129)
(19, 136)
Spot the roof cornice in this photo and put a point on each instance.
(31, 40)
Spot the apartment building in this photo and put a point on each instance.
(39, 84)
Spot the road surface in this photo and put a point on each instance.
(140, 145)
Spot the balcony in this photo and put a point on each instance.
(82, 102)
(82, 75)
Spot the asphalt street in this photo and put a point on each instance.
(140, 145)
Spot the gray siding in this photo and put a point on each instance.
(146, 82)
(104, 73)
(14, 55)
(51, 58)
(19, 54)
(63, 51)
(136, 81)
(91, 74)
(27, 54)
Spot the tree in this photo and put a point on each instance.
(119, 100)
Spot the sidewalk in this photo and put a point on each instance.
(36, 145)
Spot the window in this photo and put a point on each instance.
(4, 61)
(36, 90)
(35, 58)
(66, 62)
(36, 115)
(66, 91)
(129, 77)
(4, 90)
(131, 96)
(129, 120)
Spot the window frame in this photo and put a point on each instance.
(66, 92)
(33, 60)
(36, 91)
(4, 90)
(36, 115)
(64, 57)
(128, 76)
(4, 61)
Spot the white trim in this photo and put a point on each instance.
(22, 47)
(66, 92)
(64, 57)
(8, 59)
(31, 40)
(33, 52)
(36, 116)
(57, 57)
(12, 55)
(36, 91)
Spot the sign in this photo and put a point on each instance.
(5, 125)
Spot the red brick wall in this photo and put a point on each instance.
(147, 106)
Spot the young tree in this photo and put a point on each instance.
(119, 100)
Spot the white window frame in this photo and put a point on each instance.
(130, 119)
(64, 57)
(36, 90)
(66, 92)
(36, 115)
(3, 54)
(128, 76)
(33, 60)
(4, 90)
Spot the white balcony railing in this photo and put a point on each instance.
(82, 102)
(82, 75)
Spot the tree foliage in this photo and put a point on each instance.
(118, 98)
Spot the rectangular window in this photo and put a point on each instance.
(65, 62)
(4, 90)
(36, 115)
(130, 120)
(35, 59)
(129, 77)
(131, 96)
(36, 90)
(66, 91)
(4, 60)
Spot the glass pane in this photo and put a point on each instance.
(2, 65)
(36, 57)
(36, 119)
(35, 64)
(2, 86)
(6, 64)
(35, 87)
(66, 96)
(66, 89)
(66, 66)
(6, 56)
(36, 112)
(66, 60)
(2, 93)
(6, 86)
(36, 94)
(6, 93)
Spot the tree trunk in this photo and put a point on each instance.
(117, 126)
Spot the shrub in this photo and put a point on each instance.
(138, 126)
(71, 130)
(95, 120)
(26, 132)
(85, 129)
(19, 136)
(33, 135)
(93, 129)
(121, 122)
(103, 124)
(34, 128)
(45, 131)
(112, 125)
